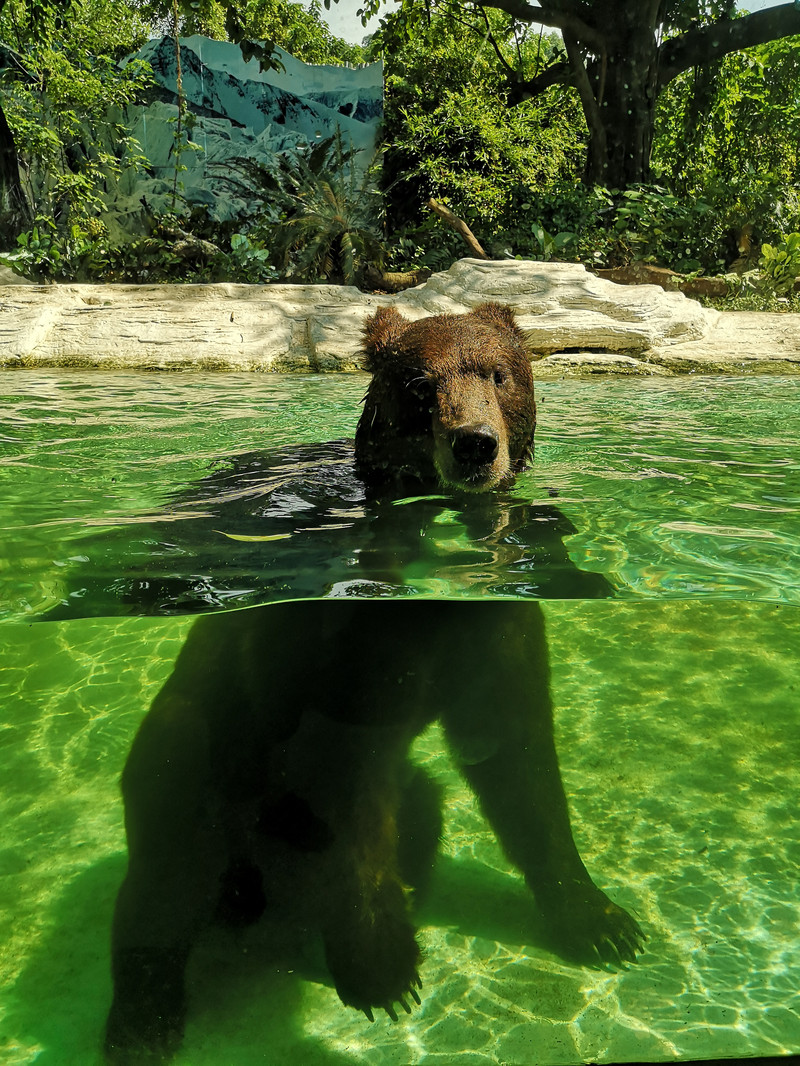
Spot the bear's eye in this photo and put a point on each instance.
(422, 387)
(499, 377)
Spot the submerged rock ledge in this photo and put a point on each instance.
(577, 323)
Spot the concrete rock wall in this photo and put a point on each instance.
(576, 323)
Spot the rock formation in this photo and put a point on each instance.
(576, 322)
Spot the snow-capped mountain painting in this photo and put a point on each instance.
(239, 111)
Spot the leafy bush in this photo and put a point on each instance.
(592, 225)
(451, 133)
(169, 254)
(178, 251)
(473, 151)
(330, 215)
(780, 266)
(428, 244)
(46, 254)
(652, 225)
(729, 135)
(249, 261)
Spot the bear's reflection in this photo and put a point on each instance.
(273, 764)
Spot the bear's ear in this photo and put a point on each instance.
(500, 316)
(381, 333)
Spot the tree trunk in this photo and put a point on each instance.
(623, 83)
(14, 210)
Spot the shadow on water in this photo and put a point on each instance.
(299, 523)
(62, 993)
(245, 987)
(60, 999)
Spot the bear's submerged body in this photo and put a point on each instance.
(275, 758)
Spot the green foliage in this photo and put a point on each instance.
(551, 244)
(176, 255)
(753, 297)
(109, 28)
(729, 134)
(427, 244)
(450, 132)
(727, 149)
(45, 254)
(651, 225)
(592, 225)
(471, 152)
(69, 145)
(250, 261)
(170, 254)
(330, 225)
(150, 260)
(780, 266)
(295, 27)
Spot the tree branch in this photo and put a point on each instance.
(460, 227)
(523, 89)
(704, 43)
(591, 105)
(566, 18)
(490, 37)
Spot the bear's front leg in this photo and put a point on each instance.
(174, 865)
(371, 949)
(369, 937)
(498, 719)
(521, 794)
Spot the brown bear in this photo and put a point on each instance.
(272, 769)
(451, 400)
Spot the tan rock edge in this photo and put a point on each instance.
(577, 324)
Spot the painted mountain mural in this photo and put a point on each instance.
(238, 112)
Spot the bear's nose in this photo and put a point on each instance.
(475, 444)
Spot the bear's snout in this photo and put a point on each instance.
(470, 455)
(475, 445)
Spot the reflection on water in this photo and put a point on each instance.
(675, 488)
(677, 729)
(298, 523)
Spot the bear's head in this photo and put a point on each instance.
(450, 401)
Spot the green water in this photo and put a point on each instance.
(678, 728)
(677, 724)
(674, 487)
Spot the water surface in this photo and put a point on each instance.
(672, 488)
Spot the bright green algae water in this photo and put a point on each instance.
(678, 732)
(677, 724)
(675, 487)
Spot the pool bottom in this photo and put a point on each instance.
(677, 727)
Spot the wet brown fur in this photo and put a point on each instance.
(273, 765)
(432, 378)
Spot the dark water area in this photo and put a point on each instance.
(299, 523)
